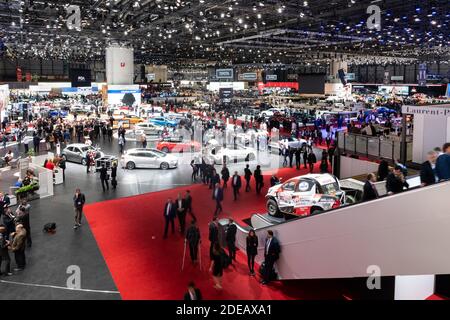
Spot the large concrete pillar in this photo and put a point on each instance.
(119, 65)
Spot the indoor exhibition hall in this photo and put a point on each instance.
(224, 150)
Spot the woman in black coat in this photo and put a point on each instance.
(252, 251)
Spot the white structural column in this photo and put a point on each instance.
(414, 287)
(119, 65)
(431, 128)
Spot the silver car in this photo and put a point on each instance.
(77, 153)
(149, 128)
(147, 158)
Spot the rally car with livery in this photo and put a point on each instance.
(305, 195)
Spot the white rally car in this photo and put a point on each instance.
(305, 195)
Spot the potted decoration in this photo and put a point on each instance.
(25, 191)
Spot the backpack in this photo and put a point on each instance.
(49, 227)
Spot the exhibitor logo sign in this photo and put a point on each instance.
(224, 73)
(441, 111)
(122, 64)
(81, 79)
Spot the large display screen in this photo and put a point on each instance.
(312, 83)
(395, 90)
(80, 77)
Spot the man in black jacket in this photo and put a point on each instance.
(236, 184)
(169, 216)
(213, 234)
(4, 253)
(104, 177)
(36, 142)
(78, 201)
(218, 196)
(193, 239)
(271, 254)
(311, 161)
(231, 239)
(427, 171)
(370, 191)
(180, 205)
(193, 293)
(396, 182)
(247, 176)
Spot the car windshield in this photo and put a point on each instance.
(330, 188)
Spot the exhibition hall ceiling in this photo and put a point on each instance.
(228, 31)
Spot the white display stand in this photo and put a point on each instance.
(58, 177)
(45, 180)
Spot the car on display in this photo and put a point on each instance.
(77, 153)
(219, 154)
(250, 135)
(305, 195)
(177, 144)
(270, 112)
(57, 113)
(147, 158)
(164, 122)
(149, 129)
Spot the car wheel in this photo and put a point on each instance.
(316, 210)
(64, 157)
(272, 208)
(122, 114)
(350, 200)
(83, 161)
(164, 166)
(165, 149)
(131, 165)
(264, 115)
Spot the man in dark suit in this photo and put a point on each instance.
(180, 205)
(4, 203)
(193, 239)
(298, 155)
(427, 170)
(443, 163)
(396, 182)
(36, 142)
(247, 175)
(271, 254)
(236, 184)
(215, 179)
(78, 202)
(231, 239)
(369, 190)
(188, 203)
(213, 234)
(311, 161)
(193, 293)
(218, 196)
(104, 177)
(169, 216)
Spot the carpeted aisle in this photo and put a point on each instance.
(144, 266)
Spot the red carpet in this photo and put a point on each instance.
(144, 266)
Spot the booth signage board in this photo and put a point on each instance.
(224, 73)
(438, 110)
(151, 76)
(271, 77)
(226, 94)
(397, 78)
(350, 76)
(250, 76)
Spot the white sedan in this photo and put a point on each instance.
(147, 158)
(219, 154)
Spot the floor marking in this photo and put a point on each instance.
(57, 287)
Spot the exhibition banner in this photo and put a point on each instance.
(119, 65)
(124, 95)
(224, 73)
(4, 96)
(249, 76)
(271, 77)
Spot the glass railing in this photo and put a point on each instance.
(374, 147)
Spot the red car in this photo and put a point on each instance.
(172, 144)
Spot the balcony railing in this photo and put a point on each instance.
(374, 147)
